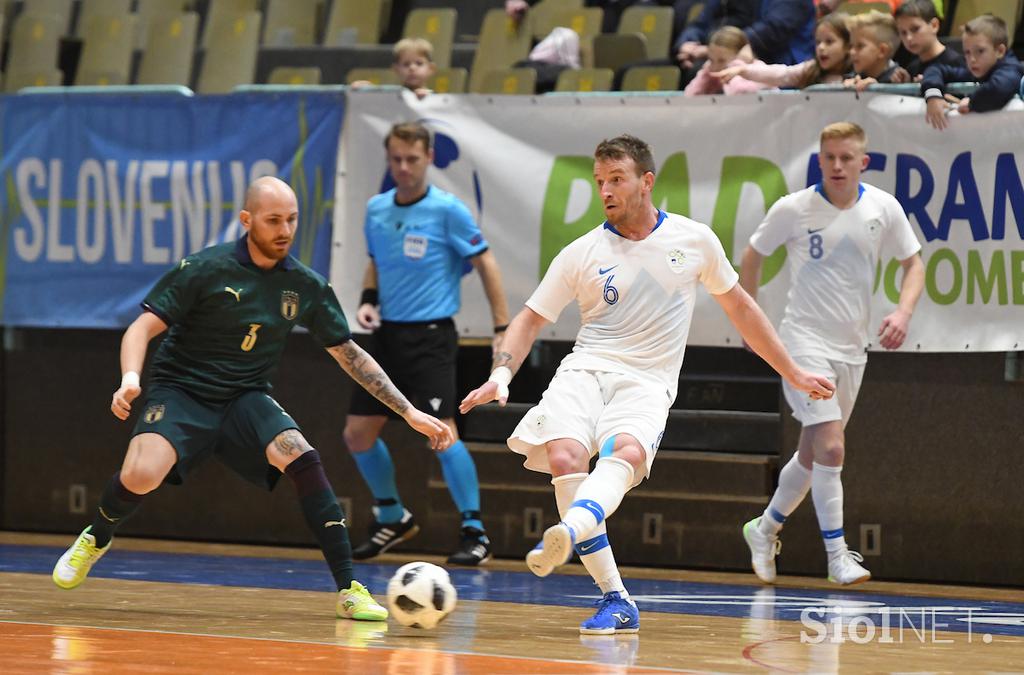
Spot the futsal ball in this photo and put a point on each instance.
(420, 595)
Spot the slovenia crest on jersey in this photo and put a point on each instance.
(675, 259)
(154, 413)
(289, 304)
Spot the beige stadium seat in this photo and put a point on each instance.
(503, 41)
(510, 81)
(33, 43)
(541, 15)
(656, 78)
(90, 8)
(287, 75)
(617, 50)
(106, 50)
(585, 79)
(965, 10)
(356, 22)
(219, 11)
(437, 26)
(170, 50)
(290, 23)
(230, 60)
(372, 75)
(60, 9)
(654, 23)
(449, 81)
(19, 79)
(149, 11)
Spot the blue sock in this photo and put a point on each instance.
(379, 473)
(460, 474)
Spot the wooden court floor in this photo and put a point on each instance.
(171, 607)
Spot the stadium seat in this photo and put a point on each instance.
(585, 79)
(449, 81)
(290, 23)
(503, 42)
(220, 11)
(33, 43)
(230, 60)
(287, 75)
(437, 26)
(510, 81)
(541, 16)
(19, 79)
(149, 11)
(90, 8)
(60, 9)
(170, 50)
(356, 22)
(655, 78)
(965, 10)
(654, 23)
(108, 41)
(617, 50)
(378, 76)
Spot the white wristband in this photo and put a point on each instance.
(130, 379)
(502, 376)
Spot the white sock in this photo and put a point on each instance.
(794, 482)
(827, 493)
(600, 564)
(602, 493)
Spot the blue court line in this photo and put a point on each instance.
(653, 595)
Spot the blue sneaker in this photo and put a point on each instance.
(554, 550)
(614, 615)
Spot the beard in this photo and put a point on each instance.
(268, 248)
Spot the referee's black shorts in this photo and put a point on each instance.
(420, 359)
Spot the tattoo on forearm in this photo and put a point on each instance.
(368, 373)
(503, 359)
(290, 442)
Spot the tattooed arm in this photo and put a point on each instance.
(362, 368)
(518, 339)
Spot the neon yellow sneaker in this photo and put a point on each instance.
(73, 567)
(355, 602)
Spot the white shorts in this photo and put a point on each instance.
(592, 407)
(846, 377)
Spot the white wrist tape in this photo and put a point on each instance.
(130, 379)
(502, 376)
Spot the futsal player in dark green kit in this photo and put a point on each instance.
(229, 309)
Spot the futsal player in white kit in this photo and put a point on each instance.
(834, 233)
(635, 279)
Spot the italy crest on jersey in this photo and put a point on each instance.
(289, 304)
(675, 259)
(154, 413)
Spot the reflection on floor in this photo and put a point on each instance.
(167, 606)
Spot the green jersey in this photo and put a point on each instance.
(229, 320)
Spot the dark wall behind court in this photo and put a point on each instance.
(934, 459)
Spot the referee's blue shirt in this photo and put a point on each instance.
(419, 250)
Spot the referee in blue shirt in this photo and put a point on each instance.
(418, 238)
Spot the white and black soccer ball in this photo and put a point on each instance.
(420, 595)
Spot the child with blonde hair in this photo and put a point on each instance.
(830, 63)
(413, 64)
(873, 41)
(724, 49)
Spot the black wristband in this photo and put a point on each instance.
(501, 329)
(370, 296)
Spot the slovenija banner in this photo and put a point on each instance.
(524, 167)
(103, 193)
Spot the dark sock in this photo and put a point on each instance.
(116, 505)
(323, 515)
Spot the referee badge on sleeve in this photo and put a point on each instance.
(675, 259)
(289, 304)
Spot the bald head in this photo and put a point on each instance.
(267, 187)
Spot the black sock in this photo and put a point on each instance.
(323, 515)
(116, 505)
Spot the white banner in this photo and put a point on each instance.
(524, 167)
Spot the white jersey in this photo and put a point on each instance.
(636, 298)
(833, 254)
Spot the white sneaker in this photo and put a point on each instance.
(763, 549)
(73, 567)
(554, 550)
(845, 568)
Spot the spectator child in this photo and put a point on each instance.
(413, 64)
(997, 70)
(723, 52)
(918, 27)
(830, 63)
(873, 41)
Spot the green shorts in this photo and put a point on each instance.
(237, 432)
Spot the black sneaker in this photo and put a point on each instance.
(385, 535)
(474, 549)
